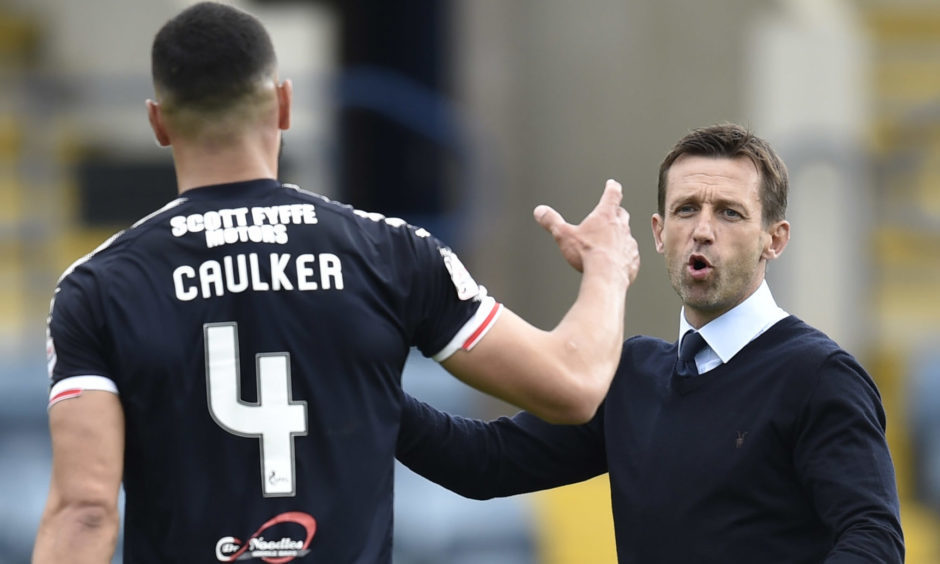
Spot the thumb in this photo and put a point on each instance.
(547, 217)
(613, 193)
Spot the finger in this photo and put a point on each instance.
(547, 217)
(624, 215)
(613, 193)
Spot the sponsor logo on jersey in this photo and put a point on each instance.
(464, 283)
(258, 224)
(278, 548)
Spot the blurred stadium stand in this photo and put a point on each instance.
(906, 244)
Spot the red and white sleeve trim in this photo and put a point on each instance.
(73, 386)
(473, 330)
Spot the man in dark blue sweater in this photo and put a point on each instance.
(761, 442)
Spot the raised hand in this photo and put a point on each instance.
(603, 238)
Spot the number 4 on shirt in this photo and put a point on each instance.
(275, 420)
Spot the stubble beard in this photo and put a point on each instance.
(700, 295)
(718, 294)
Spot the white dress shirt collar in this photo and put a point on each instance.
(727, 334)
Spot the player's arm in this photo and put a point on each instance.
(506, 456)
(562, 375)
(842, 458)
(80, 522)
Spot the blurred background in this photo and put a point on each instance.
(461, 116)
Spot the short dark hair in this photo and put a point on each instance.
(732, 141)
(210, 56)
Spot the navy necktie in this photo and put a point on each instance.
(692, 343)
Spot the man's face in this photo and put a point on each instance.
(712, 236)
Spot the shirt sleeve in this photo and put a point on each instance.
(451, 311)
(76, 342)
(842, 458)
(506, 456)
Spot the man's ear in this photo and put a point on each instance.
(779, 237)
(657, 223)
(285, 95)
(156, 123)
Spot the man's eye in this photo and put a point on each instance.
(685, 209)
(732, 214)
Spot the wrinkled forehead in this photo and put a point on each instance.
(736, 177)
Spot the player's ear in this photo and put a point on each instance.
(156, 123)
(285, 94)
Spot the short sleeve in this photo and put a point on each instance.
(453, 310)
(75, 335)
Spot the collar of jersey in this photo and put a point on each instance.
(231, 189)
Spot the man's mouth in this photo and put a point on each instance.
(699, 267)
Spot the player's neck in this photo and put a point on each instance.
(207, 164)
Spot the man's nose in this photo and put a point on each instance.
(704, 231)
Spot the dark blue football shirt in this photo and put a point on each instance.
(256, 334)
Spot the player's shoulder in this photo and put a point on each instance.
(370, 224)
(113, 249)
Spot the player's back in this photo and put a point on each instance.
(256, 336)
